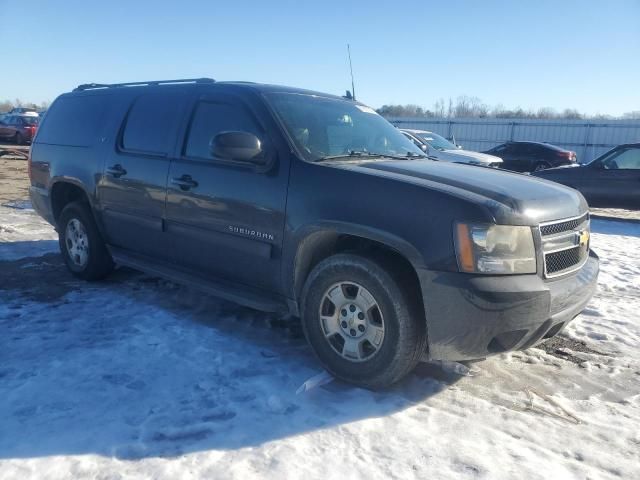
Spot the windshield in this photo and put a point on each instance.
(326, 127)
(30, 120)
(436, 141)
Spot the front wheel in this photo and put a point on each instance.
(360, 322)
(81, 244)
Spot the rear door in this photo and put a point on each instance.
(614, 181)
(226, 220)
(132, 190)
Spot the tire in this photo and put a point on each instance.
(541, 166)
(18, 139)
(402, 340)
(81, 244)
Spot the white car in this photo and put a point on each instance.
(439, 148)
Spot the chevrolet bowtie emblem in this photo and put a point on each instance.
(583, 237)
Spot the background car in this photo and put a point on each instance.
(18, 128)
(28, 111)
(611, 180)
(532, 156)
(439, 148)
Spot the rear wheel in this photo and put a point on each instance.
(541, 166)
(81, 244)
(18, 138)
(361, 324)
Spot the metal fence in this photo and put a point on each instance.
(588, 138)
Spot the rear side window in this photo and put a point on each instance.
(74, 121)
(209, 119)
(151, 122)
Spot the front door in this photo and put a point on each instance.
(132, 190)
(511, 156)
(613, 181)
(226, 219)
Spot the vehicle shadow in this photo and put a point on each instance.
(136, 367)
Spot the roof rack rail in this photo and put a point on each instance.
(92, 86)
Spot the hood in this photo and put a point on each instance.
(466, 156)
(510, 198)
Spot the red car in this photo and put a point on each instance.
(18, 128)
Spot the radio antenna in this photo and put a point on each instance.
(353, 87)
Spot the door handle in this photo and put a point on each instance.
(116, 171)
(185, 182)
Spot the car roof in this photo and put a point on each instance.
(542, 144)
(94, 88)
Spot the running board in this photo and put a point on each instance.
(237, 293)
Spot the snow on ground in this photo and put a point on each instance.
(135, 377)
(28, 234)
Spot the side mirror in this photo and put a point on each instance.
(424, 148)
(238, 146)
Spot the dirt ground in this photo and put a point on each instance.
(14, 180)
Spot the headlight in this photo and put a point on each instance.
(488, 248)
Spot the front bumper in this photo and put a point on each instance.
(474, 316)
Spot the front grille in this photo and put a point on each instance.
(563, 260)
(553, 228)
(565, 245)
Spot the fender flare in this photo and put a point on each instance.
(305, 240)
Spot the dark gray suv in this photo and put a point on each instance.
(312, 205)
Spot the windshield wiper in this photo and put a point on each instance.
(362, 154)
(351, 154)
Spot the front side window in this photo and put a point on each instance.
(210, 119)
(150, 123)
(628, 159)
(324, 127)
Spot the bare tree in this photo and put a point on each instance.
(438, 108)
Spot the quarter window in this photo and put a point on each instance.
(74, 120)
(210, 119)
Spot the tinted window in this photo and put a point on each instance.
(151, 122)
(74, 120)
(625, 160)
(534, 149)
(499, 149)
(437, 142)
(209, 119)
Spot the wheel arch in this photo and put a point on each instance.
(65, 191)
(318, 242)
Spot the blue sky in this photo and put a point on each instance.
(578, 54)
